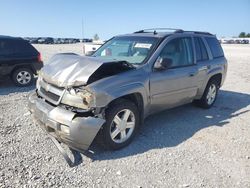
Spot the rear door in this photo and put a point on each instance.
(178, 84)
(202, 59)
(5, 53)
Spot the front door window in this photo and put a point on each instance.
(179, 51)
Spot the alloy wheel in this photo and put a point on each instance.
(211, 95)
(23, 77)
(122, 126)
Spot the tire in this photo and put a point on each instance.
(204, 102)
(117, 135)
(23, 77)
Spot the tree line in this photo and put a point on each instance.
(244, 35)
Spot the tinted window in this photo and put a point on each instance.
(22, 46)
(215, 47)
(10, 46)
(201, 52)
(5, 47)
(180, 51)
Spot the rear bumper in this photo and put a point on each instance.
(37, 66)
(80, 131)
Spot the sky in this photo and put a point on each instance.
(64, 18)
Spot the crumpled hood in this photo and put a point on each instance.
(65, 70)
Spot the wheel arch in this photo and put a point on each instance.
(135, 98)
(216, 76)
(22, 66)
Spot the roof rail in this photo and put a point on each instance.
(154, 30)
(199, 32)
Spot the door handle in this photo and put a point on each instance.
(203, 68)
(192, 74)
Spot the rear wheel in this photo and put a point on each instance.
(23, 77)
(209, 95)
(122, 122)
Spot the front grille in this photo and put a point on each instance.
(50, 94)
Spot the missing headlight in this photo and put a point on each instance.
(78, 98)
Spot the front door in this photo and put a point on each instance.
(177, 84)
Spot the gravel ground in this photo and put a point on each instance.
(182, 147)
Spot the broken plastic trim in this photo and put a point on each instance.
(76, 154)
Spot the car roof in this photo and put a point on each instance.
(164, 32)
(9, 37)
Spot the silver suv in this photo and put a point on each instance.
(128, 78)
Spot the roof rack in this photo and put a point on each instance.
(154, 30)
(199, 32)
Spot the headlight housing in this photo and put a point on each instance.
(80, 98)
(87, 97)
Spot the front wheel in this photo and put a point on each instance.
(209, 95)
(122, 122)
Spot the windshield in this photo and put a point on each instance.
(134, 50)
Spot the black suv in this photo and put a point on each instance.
(19, 59)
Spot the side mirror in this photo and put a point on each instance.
(162, 63)
(89, 53)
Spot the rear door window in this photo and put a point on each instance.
(5, 47)
(215, 47)
(201, 52)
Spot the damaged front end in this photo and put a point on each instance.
(77, 131)
(63, 103)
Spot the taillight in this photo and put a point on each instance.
(39, 57)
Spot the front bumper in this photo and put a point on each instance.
(81, 130)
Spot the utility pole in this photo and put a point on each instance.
(82, 29)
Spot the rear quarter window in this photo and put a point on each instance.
(215, 47)
(22, 46)
(16, 47)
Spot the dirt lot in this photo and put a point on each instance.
(183, 147)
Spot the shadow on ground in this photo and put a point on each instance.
(173, 127)
(7, 87)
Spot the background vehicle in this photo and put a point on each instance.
(127, 79)
(33, 41)
(49, 40)
(41, 40)
(235, 40)
(87, 40)
(90, 47)
(19, 59)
